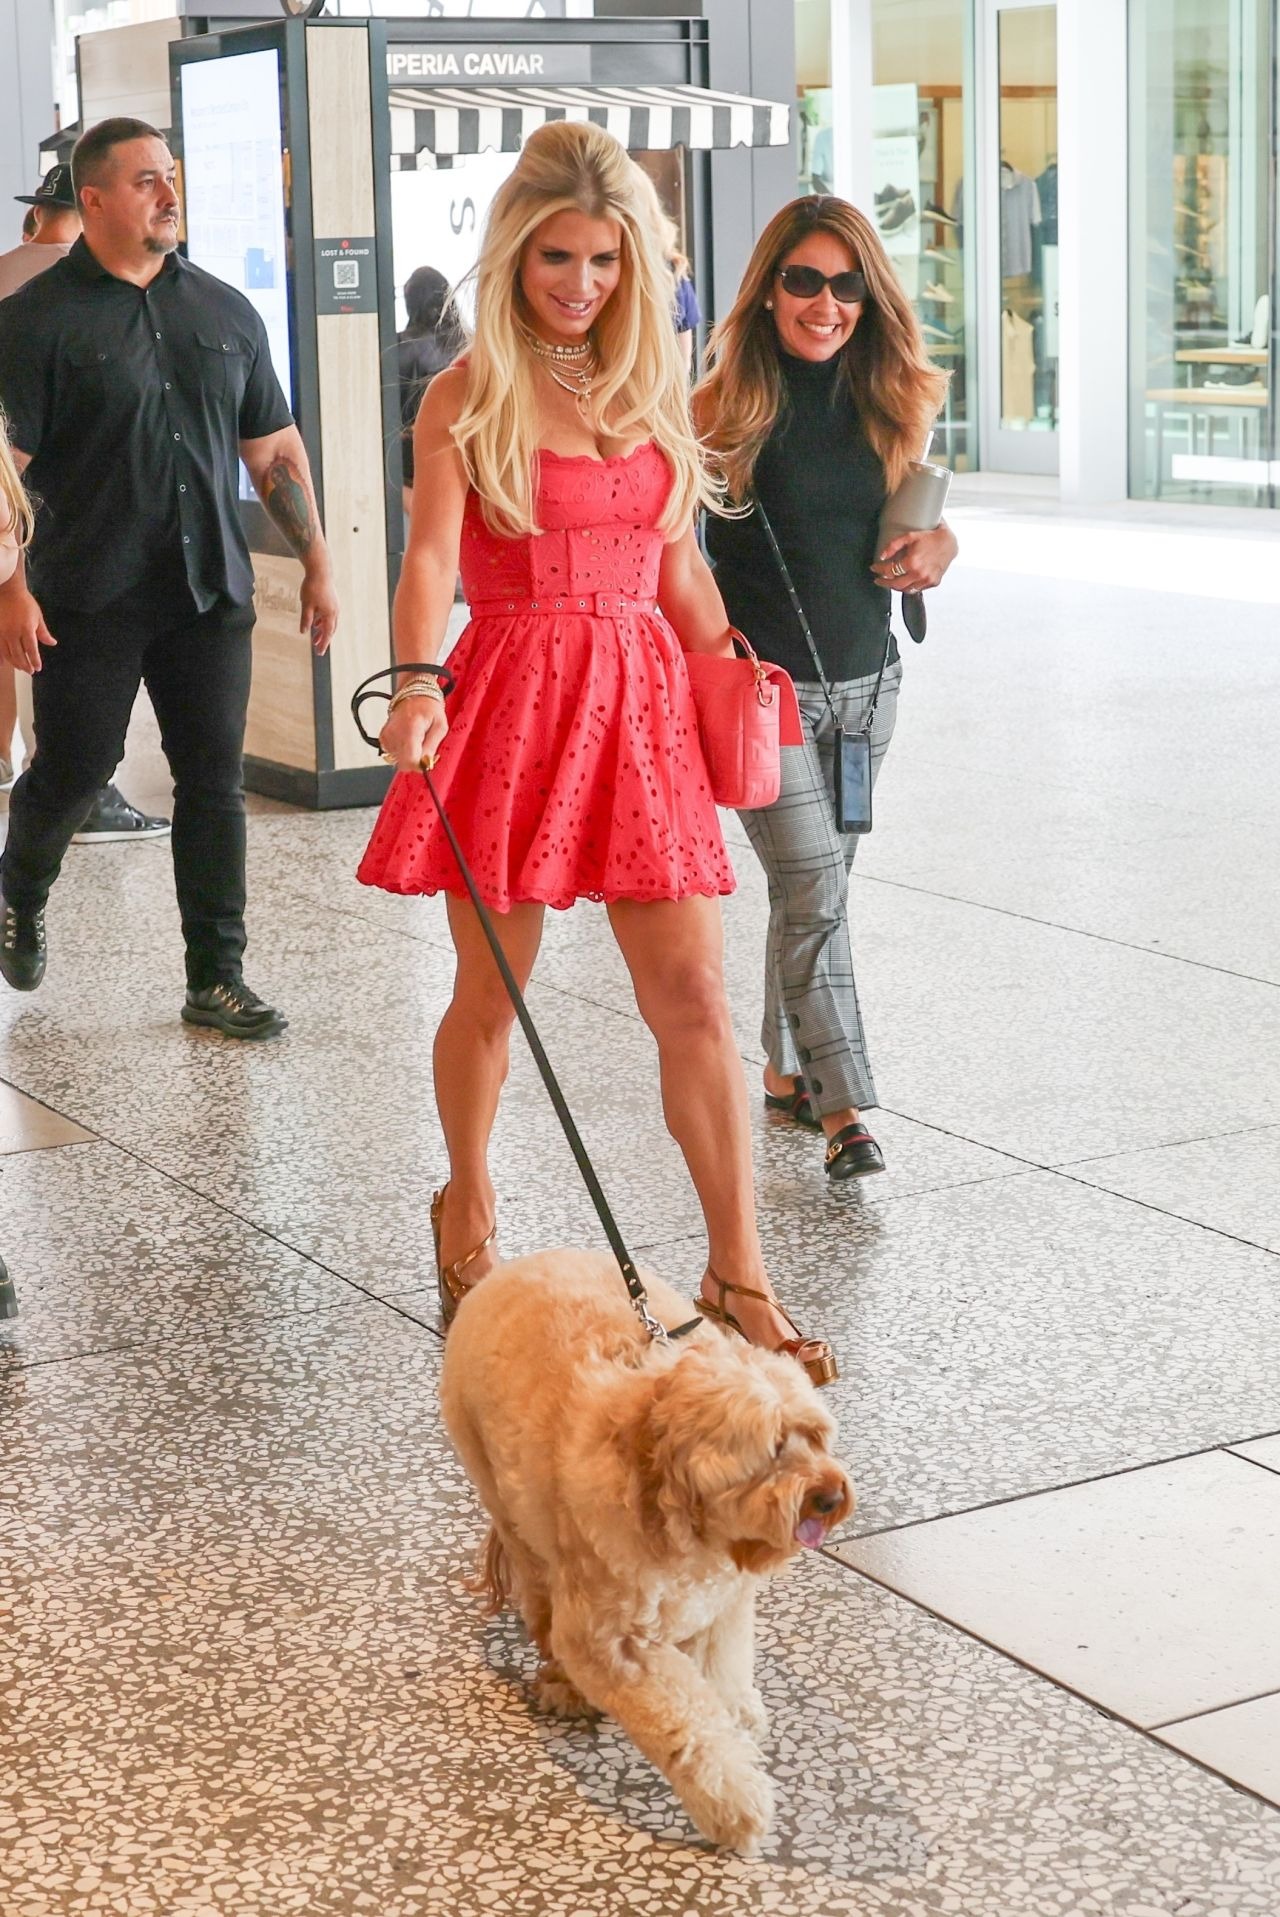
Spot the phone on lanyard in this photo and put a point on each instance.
(852, 781)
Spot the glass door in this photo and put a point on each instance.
(1203, 424)
(1018, 267)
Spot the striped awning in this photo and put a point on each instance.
(438, 122)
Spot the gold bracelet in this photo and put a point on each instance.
(415, 689)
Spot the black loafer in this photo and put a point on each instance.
(797, 1106)
(22, 948)
(232, 1009)
(853, 1153)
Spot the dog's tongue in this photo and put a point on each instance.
(811, 1532)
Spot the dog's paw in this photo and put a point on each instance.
(558, 1697)
(735, 1810)
(749, 1714)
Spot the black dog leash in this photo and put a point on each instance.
(369, 689)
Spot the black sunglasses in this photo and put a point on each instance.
(806, 282)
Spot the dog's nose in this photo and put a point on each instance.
(824, 1501)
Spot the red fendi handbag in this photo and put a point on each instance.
(747, 712)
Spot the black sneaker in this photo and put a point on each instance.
(232, 1009)
(112, 817)
(22, 948)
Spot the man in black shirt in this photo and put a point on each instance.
(134, 383)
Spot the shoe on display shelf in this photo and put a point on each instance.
(943, 218)
(894, 214)
(112, 818)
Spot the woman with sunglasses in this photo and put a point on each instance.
(819, 394)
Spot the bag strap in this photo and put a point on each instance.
(630, 1276)
(806, 629)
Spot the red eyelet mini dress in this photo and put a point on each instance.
(571, 768)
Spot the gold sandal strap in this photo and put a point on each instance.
(742, 1291)
(453, 1273)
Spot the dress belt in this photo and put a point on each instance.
(604, 605)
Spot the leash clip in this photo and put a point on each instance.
(657, 1332)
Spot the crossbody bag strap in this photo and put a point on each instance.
(785, 572)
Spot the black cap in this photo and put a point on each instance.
(54, 190)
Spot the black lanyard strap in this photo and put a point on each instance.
(639, 1297)
(806, 629)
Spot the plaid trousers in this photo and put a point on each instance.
(812, 1019)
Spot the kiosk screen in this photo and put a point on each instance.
(233, 167)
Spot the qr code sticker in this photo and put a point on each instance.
(346, 275)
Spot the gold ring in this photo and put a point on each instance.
(388, 758)
(428, 761)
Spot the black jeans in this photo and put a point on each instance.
(197, 674)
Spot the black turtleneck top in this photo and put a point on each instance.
(822, 487)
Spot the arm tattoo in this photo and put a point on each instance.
(285, 498)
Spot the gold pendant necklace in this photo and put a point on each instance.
(572, 380)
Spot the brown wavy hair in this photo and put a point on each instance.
(895, 387)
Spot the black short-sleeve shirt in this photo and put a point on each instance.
(131, 402)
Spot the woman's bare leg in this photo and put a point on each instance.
(8, 711)
(674, 952)
(471, 1059)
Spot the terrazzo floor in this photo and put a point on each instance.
(1035, 1676)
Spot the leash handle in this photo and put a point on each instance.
(369, 689)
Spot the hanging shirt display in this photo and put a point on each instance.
(1047, 188)
(1017, 367)
(1019, 213)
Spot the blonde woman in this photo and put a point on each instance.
(15, 531)
(819, 394)
(562, 472)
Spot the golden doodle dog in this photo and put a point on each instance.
(638, 1493)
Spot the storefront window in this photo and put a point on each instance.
(1200, 275)
(1027, 50)
(919, 109)
(813, 95)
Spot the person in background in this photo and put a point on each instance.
(135, 384)
(431, 340)
(49, 231)
(820, 394)
(687, 313)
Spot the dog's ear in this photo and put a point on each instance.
(667, 1503)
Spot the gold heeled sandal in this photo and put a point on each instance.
(814, 1354)
(449, 1280)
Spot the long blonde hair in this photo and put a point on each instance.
(574, 166)
(16, 517)
(895, 388)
